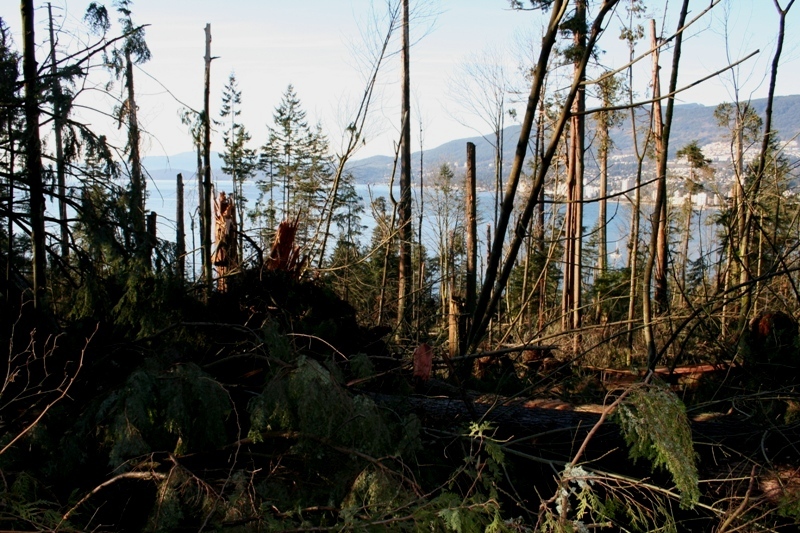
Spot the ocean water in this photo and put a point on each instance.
(161, 198)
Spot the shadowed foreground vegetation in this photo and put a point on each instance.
(301, 380)
(261, 411)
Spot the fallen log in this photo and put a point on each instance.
(738, 435)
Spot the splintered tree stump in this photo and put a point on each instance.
(285, 255)
(226, 255)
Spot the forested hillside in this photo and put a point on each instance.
(691, 122)
(260, 360)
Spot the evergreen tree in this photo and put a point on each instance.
(238, 161)
(33, 155)
(134, 50)
(264, 215)
(775, 239)
(447, 199)
(348, 212)
(384, 263)
(297, 156)
(346, 260)
(698, 164)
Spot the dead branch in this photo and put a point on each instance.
(63, 394)
(125, 475)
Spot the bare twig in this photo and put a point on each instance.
(63, 394)
(101, 486)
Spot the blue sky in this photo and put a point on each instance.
(312, 44)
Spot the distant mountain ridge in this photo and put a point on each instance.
(184, 161)
(690, 122)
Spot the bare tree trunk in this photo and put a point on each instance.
(58, 125)
(659, 235)
(541, 286)
(180, 232)
(660, 214)
(453, 316)
(579, 123)
(201, 212)
(494, 285)
(534, 245)
(652, 260)
(472, 233)
(744, 244)
(136, 207)
(633, 243)
(483, 309)
(33, 154)
(390, 233)
(206, 191)
(421, 258)
(602, 217)
(633, 240)
(238, 201)
(685, 249)
(498, 159)
(573, 246)
(405, 276)
(609, 92)
(150, 226)
(488, 260)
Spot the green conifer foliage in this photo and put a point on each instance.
(179, 409)
(239, 161)
(296, 155)
(654, 423)
(311, 401)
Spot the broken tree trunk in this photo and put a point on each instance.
(472, 235)
(180, 231)
(205, 212)
(226, 257)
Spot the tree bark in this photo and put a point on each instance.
(744, 244)
(633, 241)
(136, 207)
(206, 191)
(494, 285)
(472, 234)
(418, 294)
(152, 236)
(655, 240)
(573, 246)
(180, 231)
(201, 202)
(659, 240)
(541, 247)
(602, 216)
(33, 154)
(689, 211)
(484, 308)
(405, 276)
(58, 125)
